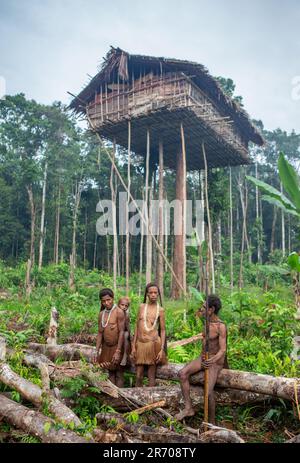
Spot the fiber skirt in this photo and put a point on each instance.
(107, 353)
(146, 352)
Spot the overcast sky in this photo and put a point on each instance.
(47, 47)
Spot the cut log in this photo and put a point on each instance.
(36, 424)
(276, 386)
(64, 351)
(53, 326)
(34, 394)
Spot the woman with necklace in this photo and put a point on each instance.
(149, 341)
(110, 339)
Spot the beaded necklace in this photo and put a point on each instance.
(104, 325)
(145, 317)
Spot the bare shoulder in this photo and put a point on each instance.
(222, 328)
(161, 310)
(120, 313)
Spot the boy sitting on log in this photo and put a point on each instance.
(216, 361)
(110, 338)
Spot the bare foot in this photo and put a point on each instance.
(185, 413)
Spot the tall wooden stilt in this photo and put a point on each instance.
(149, 239)
(179, 258)
(127, 208)
(160, 262)
(211, 255)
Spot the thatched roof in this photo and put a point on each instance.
(119, 63)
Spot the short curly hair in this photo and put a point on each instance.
(214, 301)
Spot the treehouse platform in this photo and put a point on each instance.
(159, 95)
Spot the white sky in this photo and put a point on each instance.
(47, 47)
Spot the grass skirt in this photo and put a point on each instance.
(146, 352)
(107, 353)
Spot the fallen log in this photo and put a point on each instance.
(33, 393)
(36, 424)
(64, 351)
(90, 339)
(276, 386)
(279, 386)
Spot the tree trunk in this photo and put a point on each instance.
(160, 262)
(114, 220)
(275, 210)
(147, 215)
(275, 386)
(179, 255)
(231, 230)
(257, 220)
(57, 225)
(42, 231)
(52, 333)
(77, 197)
(127, 208)
(211, 254)
(282, 228)
(33, 393)
(36, 424)
(32, 216)
(28, 284)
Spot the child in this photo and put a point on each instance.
(110, 339)
(124, 304)
(149, 341)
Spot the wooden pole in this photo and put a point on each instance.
(113, 197)
(148, 260)
(179, 258)
(206, 372)
(231, 230)
(160, 270)
(127, 208)
(211, 256)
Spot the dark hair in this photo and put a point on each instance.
(214, 301)
(150, 285)
(106, 292)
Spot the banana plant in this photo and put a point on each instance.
(291, 205)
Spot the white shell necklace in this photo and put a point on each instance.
(104, 325)
(145, 317)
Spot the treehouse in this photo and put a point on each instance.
(161, 94)
(172, 112)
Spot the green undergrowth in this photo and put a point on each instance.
(261, 326)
